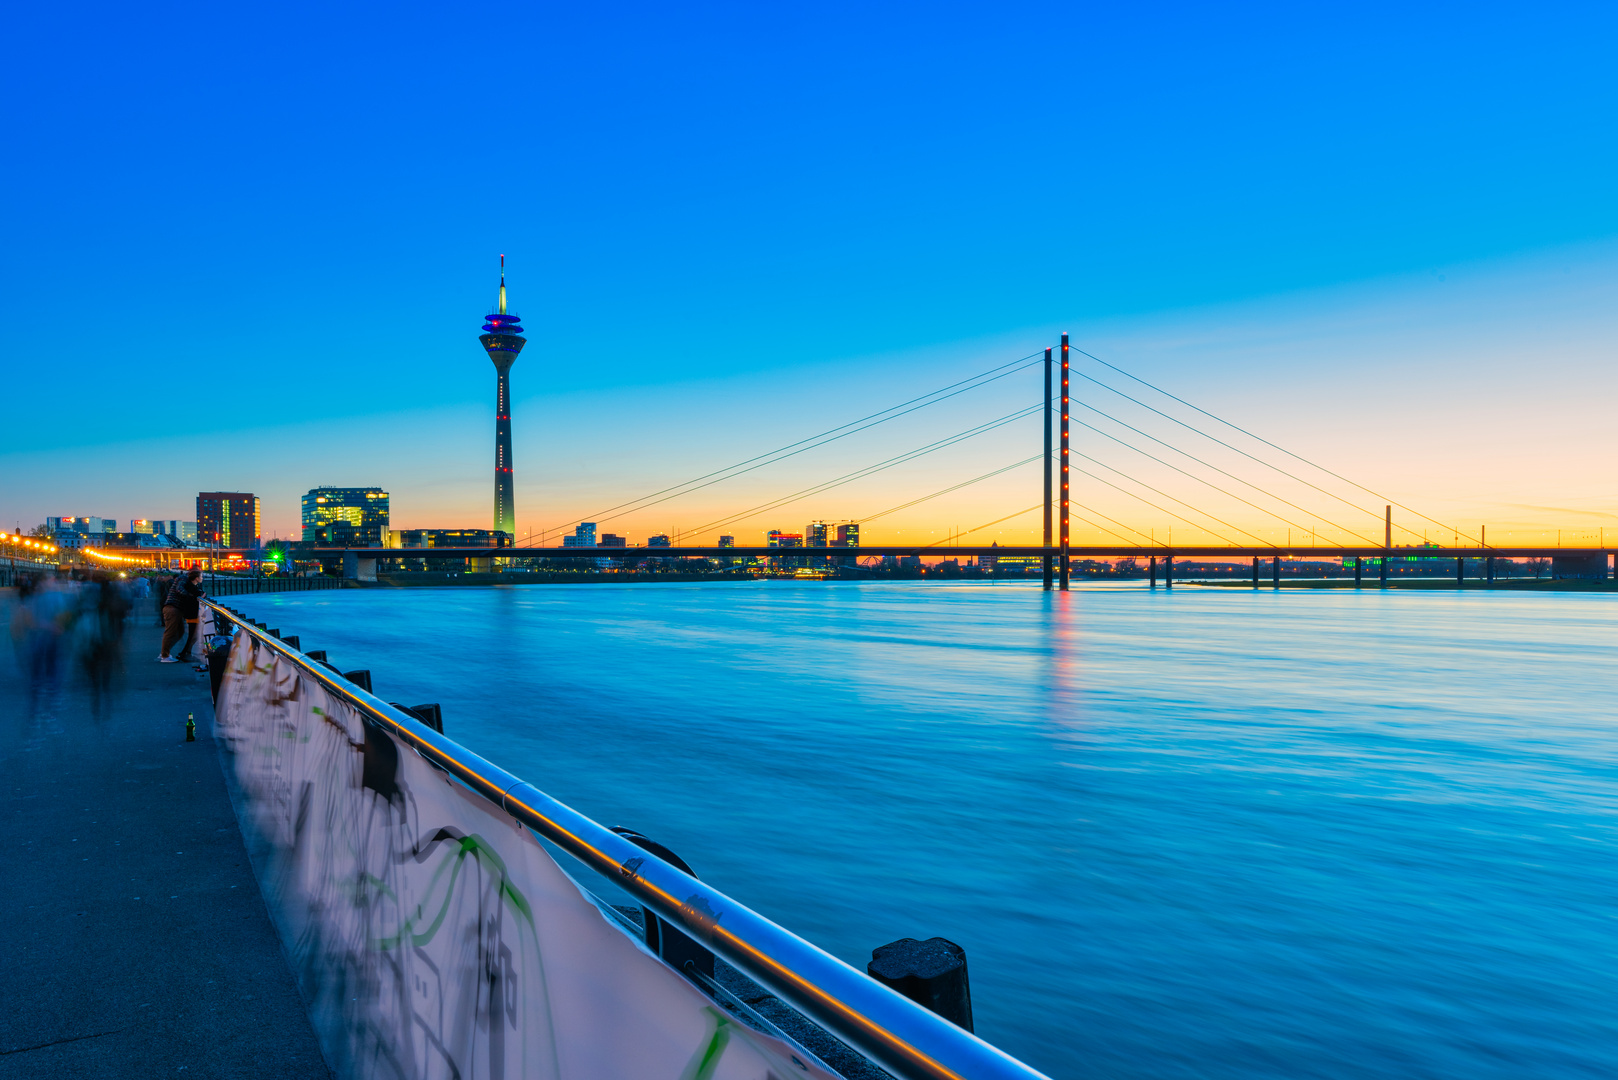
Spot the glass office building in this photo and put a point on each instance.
(345, 516)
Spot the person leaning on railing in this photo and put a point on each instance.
(180, 609)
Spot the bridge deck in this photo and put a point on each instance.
(136, 942)
(951, 551)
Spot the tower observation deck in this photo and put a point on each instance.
(502, 339)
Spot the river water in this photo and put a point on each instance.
(1206, 833)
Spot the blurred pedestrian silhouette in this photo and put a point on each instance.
(44, 613)
(161, 584)
(99, 635)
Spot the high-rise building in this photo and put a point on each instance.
(180, 530)
(81, 524)
(779, 539)
(502, 340)
(227, 519)
(345, 517)
(845, 535)
(75, 532)
(583, 536)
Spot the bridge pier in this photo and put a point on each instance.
(1255, 571)
(1151, 573)
(1488, 569)
(1168, 571)
(1359, 571)
(1275, 572)
(357, 567)
(1383, 574)
(1460, 572)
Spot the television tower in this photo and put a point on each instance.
(502, 339)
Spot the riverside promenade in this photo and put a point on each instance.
(135, 942)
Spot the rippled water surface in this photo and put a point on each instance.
(1213, 833)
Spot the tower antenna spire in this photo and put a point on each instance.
(502, 284)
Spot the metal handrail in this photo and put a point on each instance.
(897, 1033)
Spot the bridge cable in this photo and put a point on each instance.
(1154, 506)
(1200, 480)
(858, 474)
(1171, 498)
(1238, 450)
(996, 521)
(1092, 510)
(946, 491)
(977, 381)
(1261, 439)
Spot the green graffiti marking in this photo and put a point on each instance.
(477, 847)
(706, 1060)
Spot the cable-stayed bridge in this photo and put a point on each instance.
(1124, 464)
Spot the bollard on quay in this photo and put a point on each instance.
(431, 714)
(319, 657)
(360, 677)
(216, 670)
(931, 973)
(291, 640)
(672, 944)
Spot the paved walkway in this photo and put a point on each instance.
(134, 942)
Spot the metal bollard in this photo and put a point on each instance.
(430, 714)
(931, 973)
(292, 641)
(216, 671)
(360, 678)
(668, 942)
(316, 654)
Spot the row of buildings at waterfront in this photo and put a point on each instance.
(224, 519)
(358, 517)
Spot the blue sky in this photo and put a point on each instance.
(769, 219)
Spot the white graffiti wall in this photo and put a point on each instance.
(433, 936)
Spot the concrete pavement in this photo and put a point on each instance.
(134, 941)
